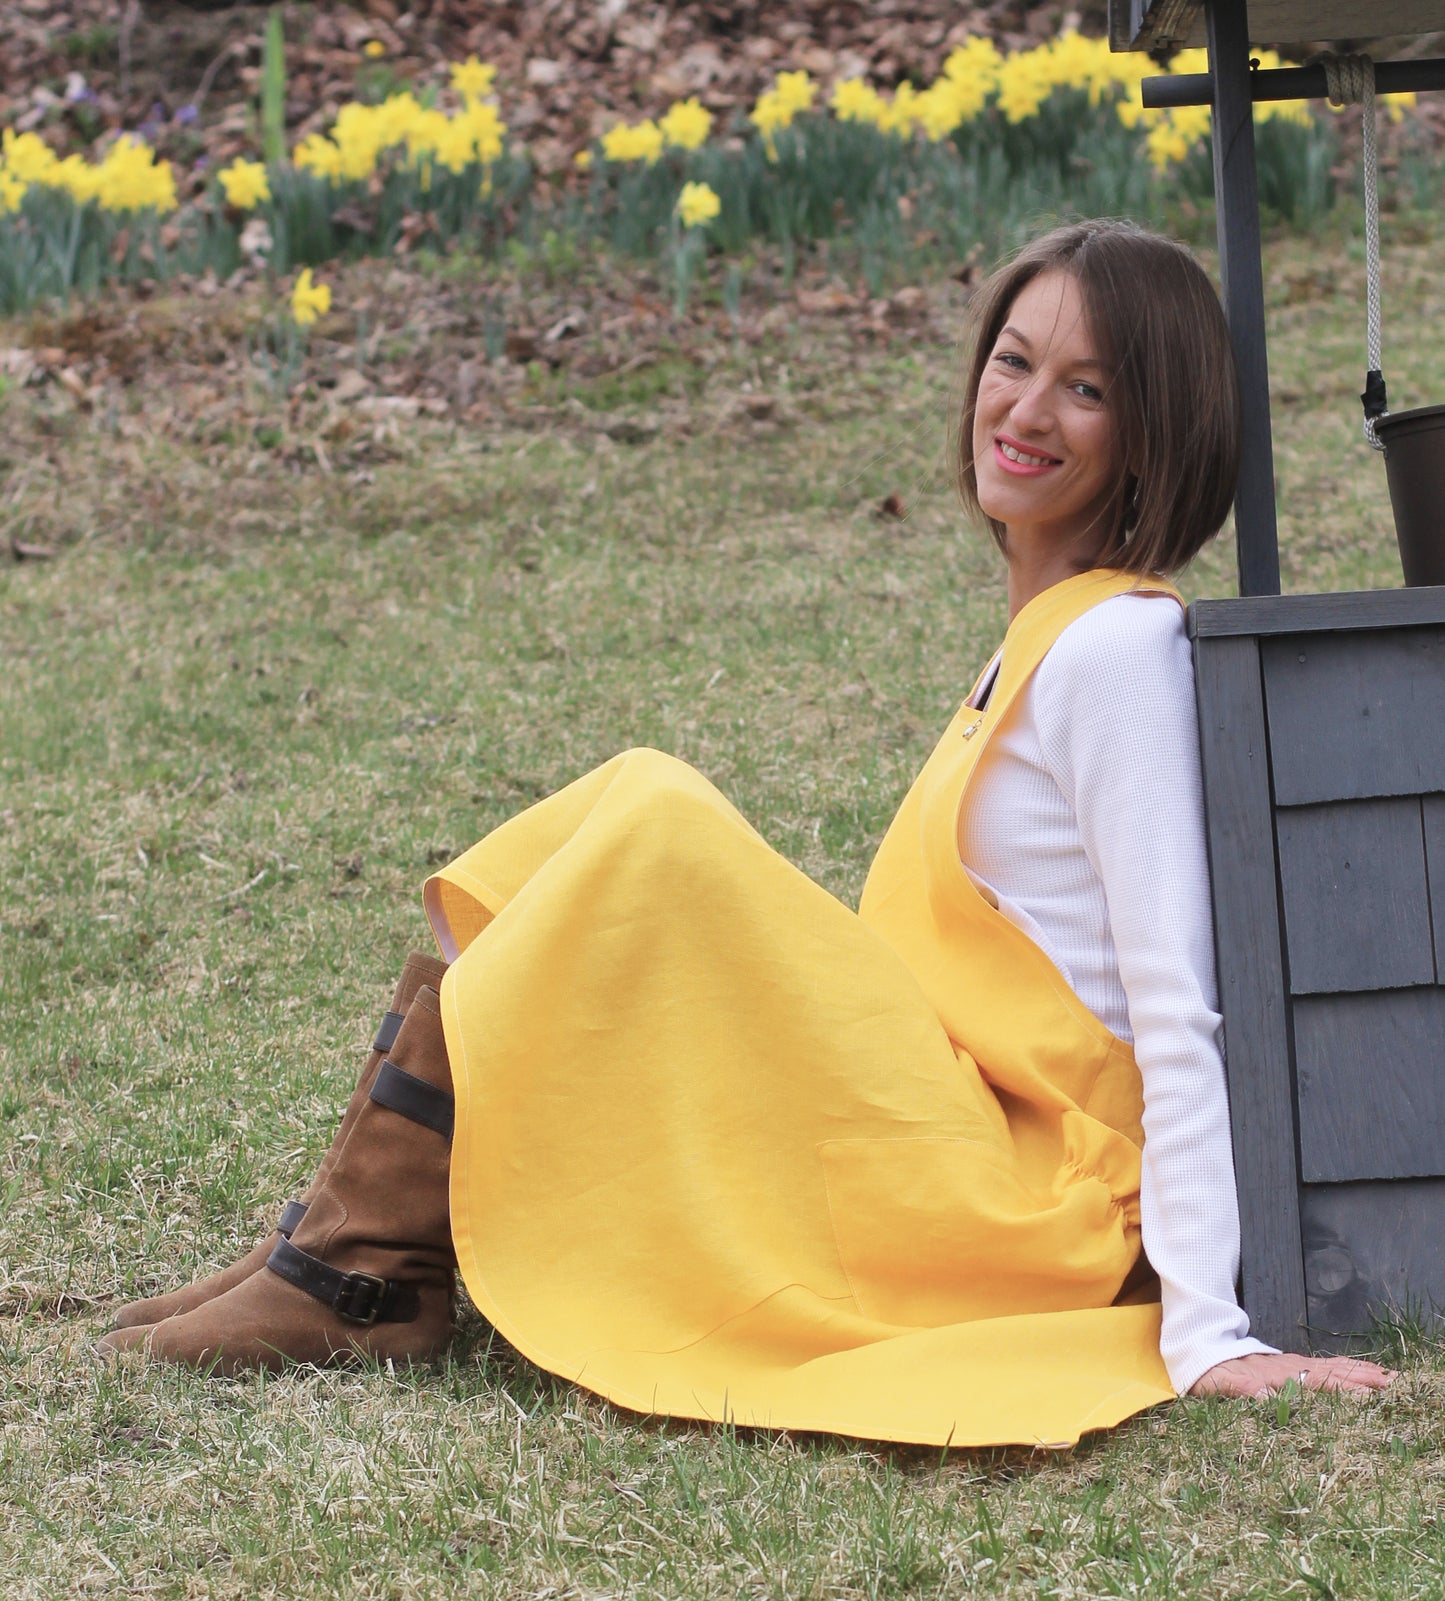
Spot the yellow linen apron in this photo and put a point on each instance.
(727, 1150)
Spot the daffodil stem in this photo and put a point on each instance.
(684, 258)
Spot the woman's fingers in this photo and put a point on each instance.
(1342, 1373)
(1258, 1376)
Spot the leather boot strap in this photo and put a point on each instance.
(360, 1298)
(386, 1033)
(403, 1092)
(290, 1219)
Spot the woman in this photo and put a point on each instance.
(725, 1149)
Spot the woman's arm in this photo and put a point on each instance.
(1114, 702)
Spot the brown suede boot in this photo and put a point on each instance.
(370, 1270)
(418, 970)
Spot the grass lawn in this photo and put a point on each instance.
(288, 656)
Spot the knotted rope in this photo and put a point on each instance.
(1350, 81)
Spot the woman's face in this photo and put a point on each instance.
(1045, 449)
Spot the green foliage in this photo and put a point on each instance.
(877, 205)
(273, 91)
(54, 247)
(94, 44)
(1296, 178)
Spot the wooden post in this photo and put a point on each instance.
(1241, 272)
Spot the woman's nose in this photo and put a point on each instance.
(1032, 412)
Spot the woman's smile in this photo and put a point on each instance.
(1014, 458)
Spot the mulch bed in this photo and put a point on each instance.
(567, 69)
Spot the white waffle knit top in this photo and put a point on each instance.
(1086, 823)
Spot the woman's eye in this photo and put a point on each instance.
(1089, 392)
(1012, 359)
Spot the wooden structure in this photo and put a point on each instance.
(1322, 732)
(1322, 729)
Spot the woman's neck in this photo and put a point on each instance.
(1037, 565)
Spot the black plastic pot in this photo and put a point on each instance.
(1414, 444)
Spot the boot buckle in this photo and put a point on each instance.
(360, 1298)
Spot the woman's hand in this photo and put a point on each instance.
(1261, 1375)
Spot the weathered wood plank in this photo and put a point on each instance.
(1371, 1249)
(1250, 956)
(1356, 715)
(1356, 900)
(1126, 17)
(1310, 614)
(1434, 818)
(1161, 24)
(1371, 1077)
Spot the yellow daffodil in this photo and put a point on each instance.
(131, 179)
(855, 100)
(796, 91)
(1394, 104)
(472, 79)
(27, 156)
(640, 142)
(769, 114)
(697, 205)
(1192, 123)
(358, 140)
(897, 115)
(12, 191)
(77, 178)
(1193, 61)
(1078, 63)
(1024, 83)
(316, 153)
(791, 93)
(972, 68)
(454, 148)
(372, 49)
(245, 183)
(425, 133)
(309, 300)
(686, 124)
(938, 110)
(1166, 145)
(473, 135)
(484, 127)
(583, 161)
(395, 117)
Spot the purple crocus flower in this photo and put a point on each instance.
(154, 121)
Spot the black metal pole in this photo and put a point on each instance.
(1241, 272)
(1290, 83)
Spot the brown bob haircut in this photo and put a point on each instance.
(1171, 386)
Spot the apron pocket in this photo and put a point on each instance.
(938, 1231)
(1094, 1150)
